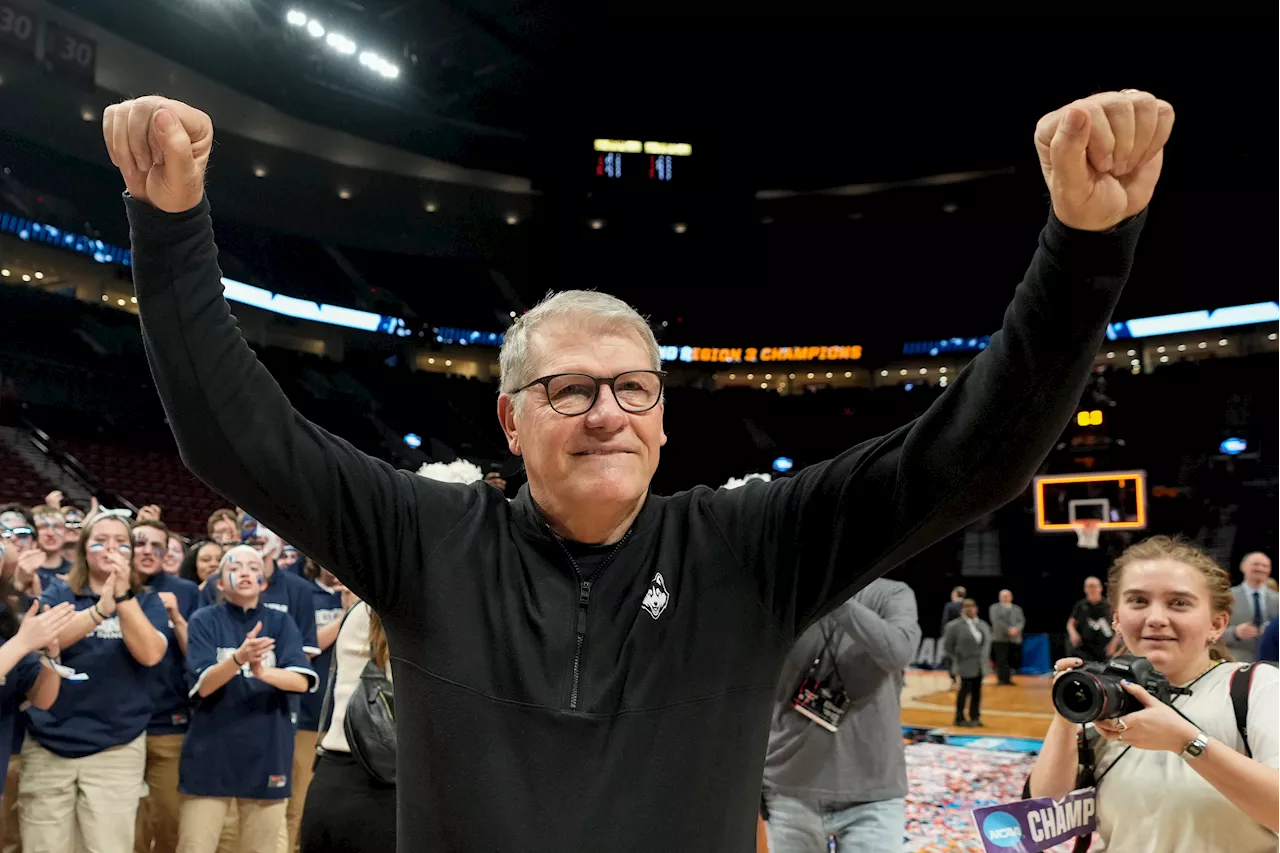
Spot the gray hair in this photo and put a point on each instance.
(586, 310)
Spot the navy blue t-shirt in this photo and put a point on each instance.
(13, 692)
(240, 743)
(285, 592)
(113, 706)
(48, 576)
(171, 710)
(328, 607)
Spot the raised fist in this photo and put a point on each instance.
(1101, 156)
(161, 148)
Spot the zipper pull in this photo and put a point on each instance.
(584, 595)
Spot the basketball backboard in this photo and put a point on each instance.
(1117, 499)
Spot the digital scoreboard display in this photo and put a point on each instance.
(632, 161)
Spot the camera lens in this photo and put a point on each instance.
(1079, 697)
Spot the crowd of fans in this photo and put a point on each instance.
(115, 631)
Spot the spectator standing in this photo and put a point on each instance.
(84, 760)
(326, 594)
(1255, 605)
(850, 783)
(347, 810)
(159, 812)
(1007, 624)
(950, 612)
(1089, 626)
(968, 644)
(244, 661)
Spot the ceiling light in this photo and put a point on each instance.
(1134, 363)
(4, 273)
(512, 219)
(344, 194)
(902, 372)
(105, 298)
(448, 363)
(768, 376)
(923, 371)
(1159, 349)
(86, 114)
(847, 375)
(1201, 345)
(1133, 353)
(1222, 343)
(764, 384)
(810, 375)
(791, 376)
(340, 43)
(884, 373)
(259, 171)
(679, 227)
(513, 314)
(1111, 355)
(314, 29)
(1182, 347)
(733, 376)
(751, 376)
(120, 302)
(950, 207)
(429, 207)
(597, 224)
(296, 18)
(133, 299)
(39, 275)
(1164, 358)
(26, 277)
(942, 381)
(1271, 337)
(431, 361)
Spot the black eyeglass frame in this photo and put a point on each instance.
(545, 382)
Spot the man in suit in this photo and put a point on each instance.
(1007, 622)
(1255, 605)
(967, 642)
(950, 612)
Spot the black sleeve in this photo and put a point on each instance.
(809, 542)
(238, 432)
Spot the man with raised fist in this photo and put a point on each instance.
(601, 675)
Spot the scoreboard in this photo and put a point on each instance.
(634, 162)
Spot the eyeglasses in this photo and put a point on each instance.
(571, 394)
(17, 532)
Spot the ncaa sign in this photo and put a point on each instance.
(1002, 829)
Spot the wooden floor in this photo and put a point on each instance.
(1021, 710)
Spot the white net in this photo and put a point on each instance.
(1087, 533)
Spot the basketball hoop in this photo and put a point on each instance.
(1087, 532)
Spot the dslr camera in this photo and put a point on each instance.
(1093, 691)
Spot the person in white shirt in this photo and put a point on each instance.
(1185, 780)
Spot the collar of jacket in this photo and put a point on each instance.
(528, 516)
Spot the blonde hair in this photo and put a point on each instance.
(78, 577)
(587, 310)
(1178, 550)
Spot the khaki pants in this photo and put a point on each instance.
(158, 813)
(261, 824)
(89, 804)
(304, 756)
(11, 841)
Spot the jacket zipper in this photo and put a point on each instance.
(584, 598)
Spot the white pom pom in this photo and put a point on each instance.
(735, 483)
(457, 471)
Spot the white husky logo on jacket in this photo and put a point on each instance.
(655, 600)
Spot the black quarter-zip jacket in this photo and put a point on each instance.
(623, 707)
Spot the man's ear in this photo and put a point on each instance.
(507, 417)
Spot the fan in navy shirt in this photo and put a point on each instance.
(327, 596)
(83, 760)
(158, 814)
(50, 534)
(23, 678)
(244, 660)
(284, 591)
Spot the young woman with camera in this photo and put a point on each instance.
(1177, 777)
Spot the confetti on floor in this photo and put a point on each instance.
(947, 782)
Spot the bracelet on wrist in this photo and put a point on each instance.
(102, 617)
(236, 659)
